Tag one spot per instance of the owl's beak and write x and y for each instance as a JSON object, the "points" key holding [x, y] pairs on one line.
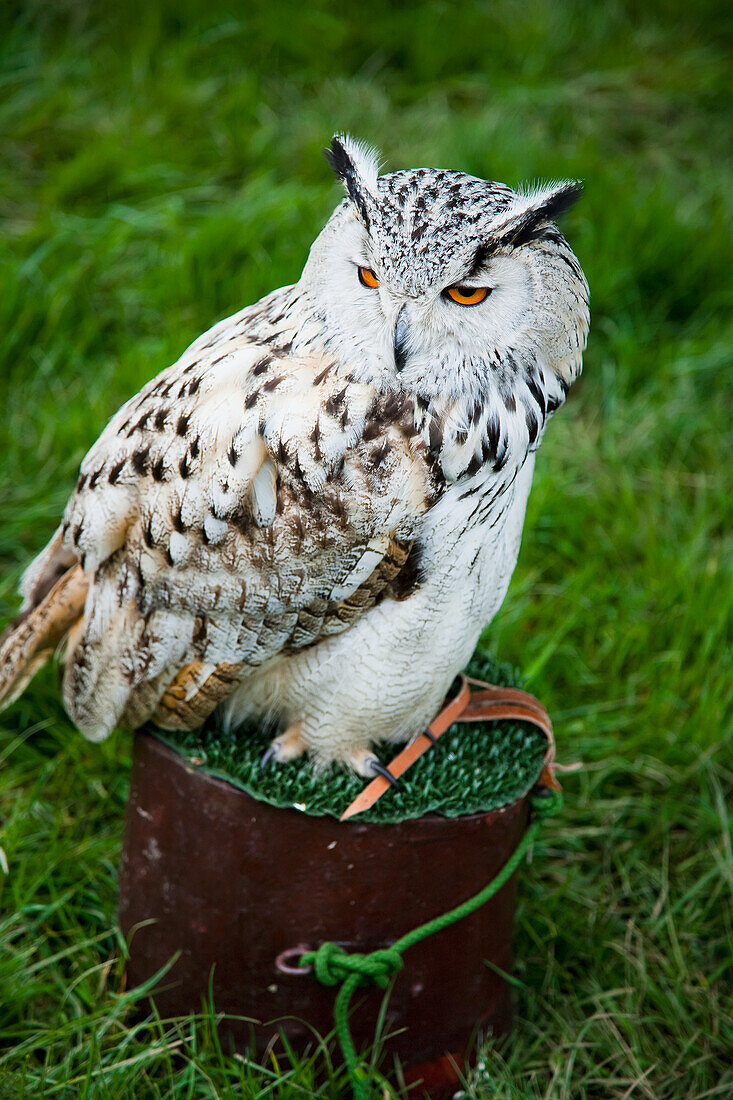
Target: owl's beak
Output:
{"points": [[401, 339]]}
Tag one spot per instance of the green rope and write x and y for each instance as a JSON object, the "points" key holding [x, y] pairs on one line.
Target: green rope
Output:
{"points": [[333, 965]]}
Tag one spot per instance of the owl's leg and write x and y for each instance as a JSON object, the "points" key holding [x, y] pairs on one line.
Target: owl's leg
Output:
{"points": [[365, 763], [288, 746]]}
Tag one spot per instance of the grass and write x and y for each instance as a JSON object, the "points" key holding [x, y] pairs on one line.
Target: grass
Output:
{"points": [[160, 168]]}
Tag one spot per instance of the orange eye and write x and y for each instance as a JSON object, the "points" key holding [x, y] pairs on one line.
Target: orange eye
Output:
{"points": [[468, 296], [367, 277]]}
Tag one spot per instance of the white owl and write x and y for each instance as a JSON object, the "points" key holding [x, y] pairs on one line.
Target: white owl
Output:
{"points": [[316, 510]]}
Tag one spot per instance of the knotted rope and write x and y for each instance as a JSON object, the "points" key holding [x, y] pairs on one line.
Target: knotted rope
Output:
{"points": [[333, 965]]}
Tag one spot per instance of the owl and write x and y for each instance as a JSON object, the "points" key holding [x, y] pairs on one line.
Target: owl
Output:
{"points": [[310, 517]]}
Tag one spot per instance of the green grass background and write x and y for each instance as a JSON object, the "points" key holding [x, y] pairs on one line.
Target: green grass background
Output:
{"points": [[160, 168]]}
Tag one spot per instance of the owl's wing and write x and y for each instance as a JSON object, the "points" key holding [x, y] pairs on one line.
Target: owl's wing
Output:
{"points": [[248, 502]]}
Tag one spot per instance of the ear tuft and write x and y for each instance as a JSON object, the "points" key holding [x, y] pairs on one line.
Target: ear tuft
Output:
{"points": [[349, 158], [524, 219], [556, 199], [357, 166]]}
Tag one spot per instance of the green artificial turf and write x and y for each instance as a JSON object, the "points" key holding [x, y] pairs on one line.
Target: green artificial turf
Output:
{"points": [[474, 766], [160, 167]]}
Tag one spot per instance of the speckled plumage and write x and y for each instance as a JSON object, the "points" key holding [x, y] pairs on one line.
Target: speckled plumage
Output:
{"points": [[315, 511]]}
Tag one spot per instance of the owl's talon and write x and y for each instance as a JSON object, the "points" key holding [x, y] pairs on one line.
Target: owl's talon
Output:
{"points": [[288, 746], [430, 735], [269, 754], [378, 768]]}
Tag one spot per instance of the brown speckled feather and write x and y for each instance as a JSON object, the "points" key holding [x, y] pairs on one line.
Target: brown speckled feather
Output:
{"points": [[31, 639], [248, 502]]}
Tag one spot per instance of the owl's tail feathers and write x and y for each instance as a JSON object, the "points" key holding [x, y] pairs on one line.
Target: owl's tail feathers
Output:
{"points": [[31, 639], [194, 694]]}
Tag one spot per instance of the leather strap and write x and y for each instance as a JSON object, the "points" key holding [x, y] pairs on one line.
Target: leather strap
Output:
{"points": [[489, 704]]}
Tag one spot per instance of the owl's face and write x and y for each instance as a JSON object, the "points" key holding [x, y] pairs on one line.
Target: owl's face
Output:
{"points": [[442, 283]]}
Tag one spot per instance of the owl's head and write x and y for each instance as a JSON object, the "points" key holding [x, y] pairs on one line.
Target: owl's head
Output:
{"points": [[438, 282]]}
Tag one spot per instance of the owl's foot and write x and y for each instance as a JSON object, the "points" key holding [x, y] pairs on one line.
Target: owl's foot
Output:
{"points": [[288, 746], [365, 763]]}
